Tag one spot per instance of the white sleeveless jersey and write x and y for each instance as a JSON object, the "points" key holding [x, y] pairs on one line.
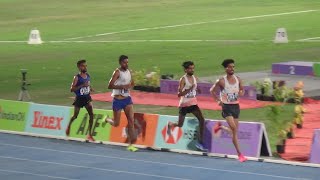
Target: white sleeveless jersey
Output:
{"points": [[124, 79], [230, 93], [190, 98]]}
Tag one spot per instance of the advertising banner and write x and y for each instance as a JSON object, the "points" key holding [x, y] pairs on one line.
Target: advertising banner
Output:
{"points": [[101, 130], [252, 138], [177, 138], [315, 149], [13, 115], [47, 119], [145, 126]]}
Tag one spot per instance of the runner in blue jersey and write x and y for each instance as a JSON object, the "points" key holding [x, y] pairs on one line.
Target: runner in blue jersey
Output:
{"points": [[81, 87]]}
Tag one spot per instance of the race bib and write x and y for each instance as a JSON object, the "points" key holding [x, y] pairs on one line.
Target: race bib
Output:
{"points": [[191, 94], [85, 90], [232, 97], [124, 91]]}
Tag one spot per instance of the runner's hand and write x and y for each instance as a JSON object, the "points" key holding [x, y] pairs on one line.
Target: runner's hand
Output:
{"points": [[241, 92]]}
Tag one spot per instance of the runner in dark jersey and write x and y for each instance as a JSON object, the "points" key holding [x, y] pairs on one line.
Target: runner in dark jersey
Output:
{"points": [[81, 87]]}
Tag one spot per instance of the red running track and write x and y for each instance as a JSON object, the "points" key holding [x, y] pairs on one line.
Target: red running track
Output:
{"points": [[160, 99]]}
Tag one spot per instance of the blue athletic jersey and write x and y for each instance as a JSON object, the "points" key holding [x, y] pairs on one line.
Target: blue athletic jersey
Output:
{"points": [[84, 91]]}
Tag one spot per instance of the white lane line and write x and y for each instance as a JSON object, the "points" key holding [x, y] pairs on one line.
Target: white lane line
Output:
{"points": [[308, 39], [153, 162], [160, 40], [13, 41], [191, 24], [151, 40], [34, 174], [165, 40], [94, 168]]}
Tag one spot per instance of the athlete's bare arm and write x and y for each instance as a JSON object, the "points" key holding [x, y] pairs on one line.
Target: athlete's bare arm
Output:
{"points": [[74, 86], [241, 89], [91, 89], [198, 89], [132, 81], [219, 84], [182, 84]]}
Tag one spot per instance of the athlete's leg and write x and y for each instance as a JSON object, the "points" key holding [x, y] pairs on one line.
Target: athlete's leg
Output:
{"points": [[180, 121], [231, 122], [75, 115], [128, 110], [117, 108], [89, 108], [131, 135], [198, 114], [242, 158], [116, 118], [182, 115]]}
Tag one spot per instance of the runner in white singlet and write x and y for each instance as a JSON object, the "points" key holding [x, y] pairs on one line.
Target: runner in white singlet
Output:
{"points": [[120, 83], [187, 92], [231, 88]]}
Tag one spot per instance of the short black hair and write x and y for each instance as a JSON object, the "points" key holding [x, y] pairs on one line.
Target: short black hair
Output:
{"points": [[81, 61], [122, 57], [226, 62], [186, 64]]}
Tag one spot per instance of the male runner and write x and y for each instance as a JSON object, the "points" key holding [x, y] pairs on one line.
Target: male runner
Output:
{"points": [[187, 92], [81, 87], [230, 89], [120, 83]]}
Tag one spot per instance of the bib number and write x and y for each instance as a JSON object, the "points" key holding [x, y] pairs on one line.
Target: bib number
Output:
{"points": [[124, 91], [85, 90], [191, 94], [232, 97]]}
